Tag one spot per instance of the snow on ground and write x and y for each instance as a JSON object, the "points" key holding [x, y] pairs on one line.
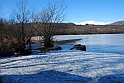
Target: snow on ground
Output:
{"points": [[63, 67]]}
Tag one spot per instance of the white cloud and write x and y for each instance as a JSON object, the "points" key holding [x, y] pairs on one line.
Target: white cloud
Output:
{"points": [[92, 22]]}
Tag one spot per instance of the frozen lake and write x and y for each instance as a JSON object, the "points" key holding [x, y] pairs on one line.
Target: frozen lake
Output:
{"points": [[101, 43]]}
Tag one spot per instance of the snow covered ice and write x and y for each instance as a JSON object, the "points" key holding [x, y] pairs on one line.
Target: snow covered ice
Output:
{"points": [[65, 66]]}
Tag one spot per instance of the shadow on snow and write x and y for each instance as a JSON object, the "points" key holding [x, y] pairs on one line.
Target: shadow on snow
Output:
{"points": [[49, 76], [52, 76]]}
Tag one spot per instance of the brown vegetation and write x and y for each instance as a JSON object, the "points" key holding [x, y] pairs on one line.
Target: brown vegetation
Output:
{"points": [[95, 29], [24, 23]]}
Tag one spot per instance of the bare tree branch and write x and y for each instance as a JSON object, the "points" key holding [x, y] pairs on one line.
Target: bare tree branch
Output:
{"points": [[21, 15], [50, 17]]}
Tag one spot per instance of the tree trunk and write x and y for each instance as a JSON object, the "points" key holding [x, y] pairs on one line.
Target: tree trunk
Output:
{"points": [[48, 43]]}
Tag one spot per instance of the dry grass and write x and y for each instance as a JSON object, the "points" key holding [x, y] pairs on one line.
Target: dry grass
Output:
{"points": [[95, 29], [36, 41]]}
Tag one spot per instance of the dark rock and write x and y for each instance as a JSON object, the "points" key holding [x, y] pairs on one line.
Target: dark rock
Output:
{"points": [[19, 52], [79, 47], [6, 53], [57, 48], [46, 49], [26, 52]]}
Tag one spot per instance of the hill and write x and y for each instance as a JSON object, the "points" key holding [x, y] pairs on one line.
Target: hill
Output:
{"points": [[118, 23], [93, 29]]}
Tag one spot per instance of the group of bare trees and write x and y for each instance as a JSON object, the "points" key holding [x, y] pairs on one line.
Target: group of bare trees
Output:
{"points": [[2, 24], [24, 22]]}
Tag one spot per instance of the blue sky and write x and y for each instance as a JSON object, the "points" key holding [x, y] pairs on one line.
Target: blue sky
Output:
{"points": [[79, 10]]}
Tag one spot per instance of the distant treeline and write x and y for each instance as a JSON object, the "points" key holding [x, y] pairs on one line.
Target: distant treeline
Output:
{"points": [[72, 29]]}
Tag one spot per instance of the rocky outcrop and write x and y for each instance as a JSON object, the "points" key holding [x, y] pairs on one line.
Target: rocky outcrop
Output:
{"points": [[49, 49], [79, 47]]}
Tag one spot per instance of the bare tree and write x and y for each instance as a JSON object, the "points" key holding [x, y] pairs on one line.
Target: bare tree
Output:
{"points": [[1, 28], [4, 42], [21, 18], [50, 17], [1, 23]]}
